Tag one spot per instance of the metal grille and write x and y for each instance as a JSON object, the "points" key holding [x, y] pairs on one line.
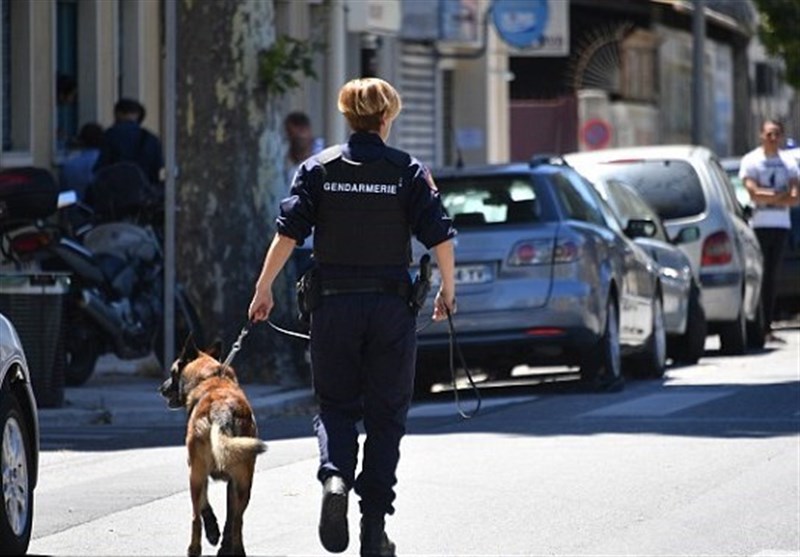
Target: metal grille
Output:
{"points": [[35, 306]]}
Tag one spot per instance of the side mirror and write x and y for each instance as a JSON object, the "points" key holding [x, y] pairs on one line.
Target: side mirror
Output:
{"points": [[640, 228], [686, 235]]}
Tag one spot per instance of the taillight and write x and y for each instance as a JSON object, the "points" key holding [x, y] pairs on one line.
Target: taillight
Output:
{"points": [[717, 249], [542, 252], [29, 242]]}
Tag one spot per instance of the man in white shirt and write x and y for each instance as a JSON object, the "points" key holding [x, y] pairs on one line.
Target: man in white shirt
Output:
{"points": [[773, 180]]}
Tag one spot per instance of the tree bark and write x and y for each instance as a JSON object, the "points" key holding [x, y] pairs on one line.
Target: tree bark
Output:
{"points": [[230, 154]]}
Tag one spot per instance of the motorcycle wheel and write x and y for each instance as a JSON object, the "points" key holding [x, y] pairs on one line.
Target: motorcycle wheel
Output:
{"points": [[82, 351], [186, 322]]}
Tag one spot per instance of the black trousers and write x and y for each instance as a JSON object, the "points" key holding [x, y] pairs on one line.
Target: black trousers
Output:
{"points": [[363, 352], [773, 244]]}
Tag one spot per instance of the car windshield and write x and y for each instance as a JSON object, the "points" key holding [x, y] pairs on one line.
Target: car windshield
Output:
{"points": [[671, 187], [489, 200]]}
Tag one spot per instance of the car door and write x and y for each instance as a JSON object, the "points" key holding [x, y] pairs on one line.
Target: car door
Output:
{"points": [[638, 273], [750, 249]]}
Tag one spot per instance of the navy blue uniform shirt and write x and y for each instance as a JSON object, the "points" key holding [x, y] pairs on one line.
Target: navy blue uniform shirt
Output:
{"points": [[428, 220], [128, 141]]}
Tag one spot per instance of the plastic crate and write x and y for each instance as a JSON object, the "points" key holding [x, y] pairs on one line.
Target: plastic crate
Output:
{"points": [[35, 305]]}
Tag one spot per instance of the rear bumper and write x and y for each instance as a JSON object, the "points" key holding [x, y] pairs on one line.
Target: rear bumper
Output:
{"points": [[722, 293]]}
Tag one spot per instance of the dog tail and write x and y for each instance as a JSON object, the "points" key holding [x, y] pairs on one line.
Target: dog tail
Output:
{"points": [[229, 450]]}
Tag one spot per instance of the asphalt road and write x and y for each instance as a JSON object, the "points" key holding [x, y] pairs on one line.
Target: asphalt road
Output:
{"points": [[703, 462]]}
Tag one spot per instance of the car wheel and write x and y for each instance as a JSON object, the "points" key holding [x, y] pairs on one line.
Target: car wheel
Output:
{"points": [[733, 335], [16, 461], [688, 348], [757, 329], [83, 349], [653, 361], [426, 375], [601, 369]]}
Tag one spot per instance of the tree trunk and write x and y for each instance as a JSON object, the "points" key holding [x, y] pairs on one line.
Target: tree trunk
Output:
{"points": [[230, 155]]}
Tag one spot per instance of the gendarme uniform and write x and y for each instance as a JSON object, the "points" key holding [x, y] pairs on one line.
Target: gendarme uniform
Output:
{"points": [[363, 200]]}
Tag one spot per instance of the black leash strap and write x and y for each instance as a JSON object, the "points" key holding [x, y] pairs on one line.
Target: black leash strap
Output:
{"points": [[454, 347]]}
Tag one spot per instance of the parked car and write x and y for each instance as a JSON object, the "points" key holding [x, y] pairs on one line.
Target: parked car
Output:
{"points": [[684, 317], [19, 443], [691, 192], [544, 275], [788, 285]]}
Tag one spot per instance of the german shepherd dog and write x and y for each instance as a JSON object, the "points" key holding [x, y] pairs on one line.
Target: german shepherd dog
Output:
{"points": [[221, 438]]}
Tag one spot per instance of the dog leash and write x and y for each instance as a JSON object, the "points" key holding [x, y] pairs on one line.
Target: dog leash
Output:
{"points": [[455, 347], [237, 345]]}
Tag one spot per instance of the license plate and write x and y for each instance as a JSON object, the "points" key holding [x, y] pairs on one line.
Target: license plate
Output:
{"points": [[466, 274]]}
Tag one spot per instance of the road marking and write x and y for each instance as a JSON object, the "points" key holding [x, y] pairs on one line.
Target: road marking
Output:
{"points": [[659, 404], [439, 409]]}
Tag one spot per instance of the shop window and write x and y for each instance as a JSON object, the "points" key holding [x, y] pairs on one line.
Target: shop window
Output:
{"points": [[16, 83], [67, 91]]}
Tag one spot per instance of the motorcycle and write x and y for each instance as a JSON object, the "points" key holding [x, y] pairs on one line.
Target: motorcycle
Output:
{"points": [[115, 259]]}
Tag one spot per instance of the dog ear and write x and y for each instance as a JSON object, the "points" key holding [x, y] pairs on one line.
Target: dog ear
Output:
{"points": [[215, 350], [189, 350]]}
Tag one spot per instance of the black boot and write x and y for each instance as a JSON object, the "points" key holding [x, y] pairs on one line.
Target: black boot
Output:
{"points": [[374, 541], [333, 531]]}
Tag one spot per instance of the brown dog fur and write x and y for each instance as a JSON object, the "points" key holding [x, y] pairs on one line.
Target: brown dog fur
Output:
{"points": [[222, 442]]}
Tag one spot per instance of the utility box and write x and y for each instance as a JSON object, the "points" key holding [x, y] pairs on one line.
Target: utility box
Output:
{"points": [[35, 304]]}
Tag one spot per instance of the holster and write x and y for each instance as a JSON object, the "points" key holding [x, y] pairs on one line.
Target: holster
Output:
{"points": [[421, 285], [309, 294]]}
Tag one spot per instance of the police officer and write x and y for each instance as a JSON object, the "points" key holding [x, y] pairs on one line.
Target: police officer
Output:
{"points": [[363, 201]]}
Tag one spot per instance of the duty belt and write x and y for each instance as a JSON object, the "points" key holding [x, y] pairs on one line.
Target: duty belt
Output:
{"points": [[364, 285]]}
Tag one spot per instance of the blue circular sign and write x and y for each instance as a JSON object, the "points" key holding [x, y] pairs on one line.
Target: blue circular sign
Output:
{"points": [[521, 23]]}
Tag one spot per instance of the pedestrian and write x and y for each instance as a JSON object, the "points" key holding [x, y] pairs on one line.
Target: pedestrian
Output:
{"points": [[363, 200], [301, 140], [77, 172], [127, 141], [772, 178]]}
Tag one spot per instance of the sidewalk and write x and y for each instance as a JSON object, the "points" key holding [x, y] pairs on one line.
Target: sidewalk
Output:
{"points": [[125, 393]]}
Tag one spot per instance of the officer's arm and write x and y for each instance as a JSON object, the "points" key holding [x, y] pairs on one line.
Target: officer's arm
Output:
{"points": [[278, 253], [446, 297]]}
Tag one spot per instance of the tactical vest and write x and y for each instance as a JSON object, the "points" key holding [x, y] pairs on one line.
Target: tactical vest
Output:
{"points": [[361, 210]]}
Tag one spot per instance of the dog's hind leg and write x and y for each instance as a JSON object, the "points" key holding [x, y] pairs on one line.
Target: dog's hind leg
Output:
{"points": [[237, 499], [210, 524], [197, 487]]}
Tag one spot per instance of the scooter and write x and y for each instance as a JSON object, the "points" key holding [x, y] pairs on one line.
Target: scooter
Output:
{"points": [[115, 299]]}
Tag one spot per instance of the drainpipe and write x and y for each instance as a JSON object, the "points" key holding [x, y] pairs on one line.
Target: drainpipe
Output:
{"points": [[698, 71], [336, 71], [168, 85]]}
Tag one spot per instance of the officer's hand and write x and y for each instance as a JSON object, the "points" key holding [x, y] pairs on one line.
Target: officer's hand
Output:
{"points": [[261, 305], [443, 303]]}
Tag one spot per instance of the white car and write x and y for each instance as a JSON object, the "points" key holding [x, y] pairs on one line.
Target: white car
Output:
{"points": [[19, 443], [690, 191]]}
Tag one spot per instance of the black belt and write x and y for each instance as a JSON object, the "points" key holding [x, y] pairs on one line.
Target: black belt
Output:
{"points": [[364, 285]]}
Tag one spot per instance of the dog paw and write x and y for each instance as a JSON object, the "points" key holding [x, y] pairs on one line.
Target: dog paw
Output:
{"points": [[194, 550], [210, 525]]}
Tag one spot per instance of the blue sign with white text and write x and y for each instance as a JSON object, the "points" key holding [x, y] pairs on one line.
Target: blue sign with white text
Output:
{"points": [[521, 23]]}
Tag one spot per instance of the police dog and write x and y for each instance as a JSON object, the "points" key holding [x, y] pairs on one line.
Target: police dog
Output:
{"points": [[222, 440]]}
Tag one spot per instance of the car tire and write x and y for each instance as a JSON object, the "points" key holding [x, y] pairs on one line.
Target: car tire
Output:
{"points": [[757, 329], [426, 375], [601, 369], [688, 348], [733, 335], [653, 361], [16, 468], [83, 349]]}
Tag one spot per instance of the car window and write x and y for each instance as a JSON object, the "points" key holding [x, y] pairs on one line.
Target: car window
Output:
{"points": [[578, 202], [671, 187], [631, 206], [489, 200], [727, 188]]}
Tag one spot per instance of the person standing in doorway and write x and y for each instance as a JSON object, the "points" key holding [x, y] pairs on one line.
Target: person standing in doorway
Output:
{"points": [[301, 140], [363, 200], [773, 181], [128, 141]]}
